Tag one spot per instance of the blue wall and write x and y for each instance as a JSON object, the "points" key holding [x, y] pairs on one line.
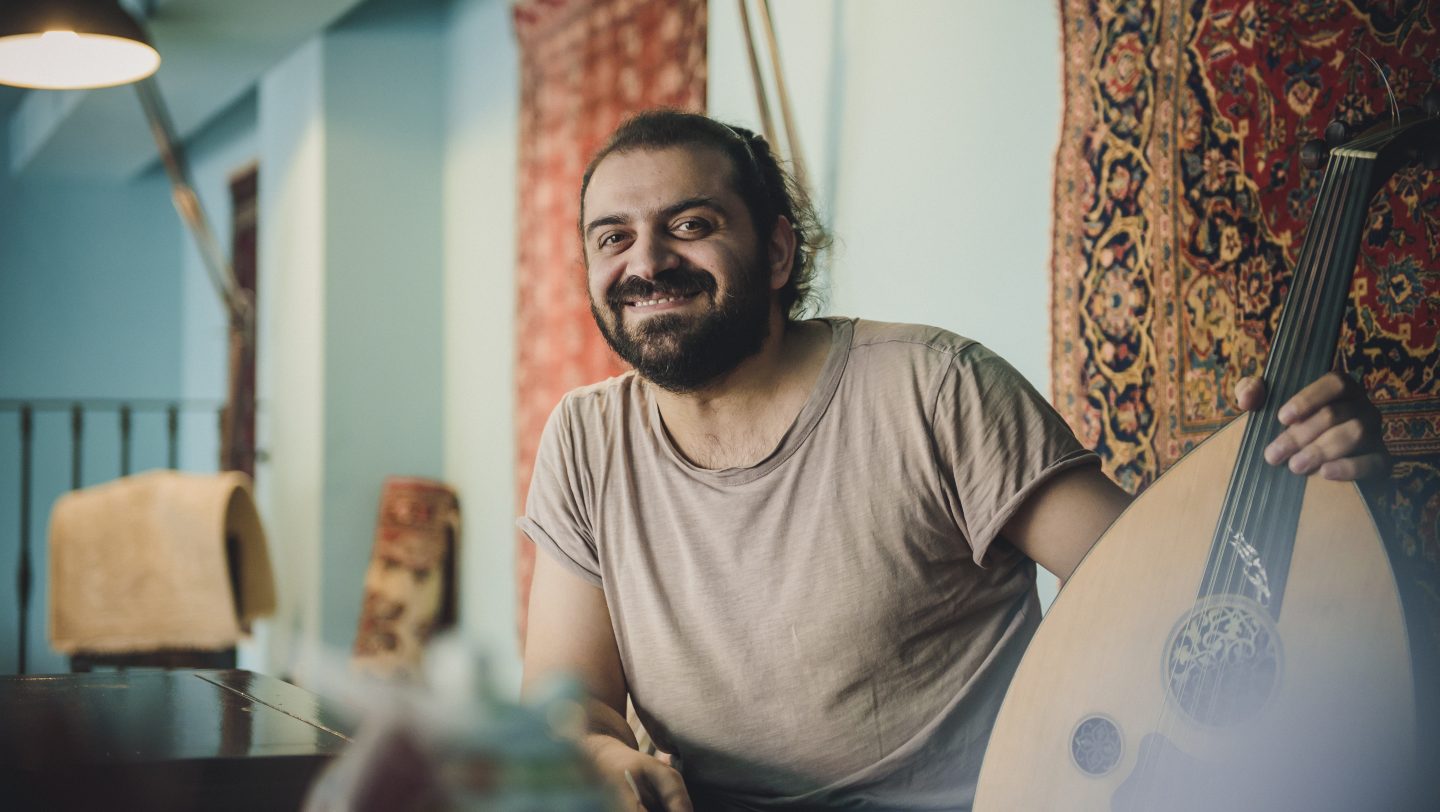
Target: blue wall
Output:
{"points": [[383, 341], [89, 307]]}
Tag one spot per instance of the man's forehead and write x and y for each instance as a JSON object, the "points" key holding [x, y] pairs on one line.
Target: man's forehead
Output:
{"points": [[655, 175]]}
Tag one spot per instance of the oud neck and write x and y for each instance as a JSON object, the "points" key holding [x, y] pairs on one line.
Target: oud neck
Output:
{"points": [[1254, 539], [1304, 344]]}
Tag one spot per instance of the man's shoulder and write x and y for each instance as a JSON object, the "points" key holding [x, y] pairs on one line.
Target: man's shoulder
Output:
{"points": [[920, 340], [599, 400]]}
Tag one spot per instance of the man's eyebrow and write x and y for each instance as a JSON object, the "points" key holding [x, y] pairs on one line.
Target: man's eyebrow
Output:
{"points": [[702, 201], [607, 220]]}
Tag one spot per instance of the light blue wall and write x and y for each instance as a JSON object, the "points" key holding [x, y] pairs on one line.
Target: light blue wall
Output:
{"points": [[89, 307], [383, 337], [89, 289], [101, 294]]}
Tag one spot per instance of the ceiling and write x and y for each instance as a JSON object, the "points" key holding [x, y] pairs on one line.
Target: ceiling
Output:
{"points": [[212, 52]]}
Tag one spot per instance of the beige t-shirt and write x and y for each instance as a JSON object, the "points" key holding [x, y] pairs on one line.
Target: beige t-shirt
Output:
{"points": [[816, 629]]}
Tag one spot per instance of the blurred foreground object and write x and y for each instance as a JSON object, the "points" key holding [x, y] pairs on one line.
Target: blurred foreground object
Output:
{"points": [[451, 743], [158, 561]]}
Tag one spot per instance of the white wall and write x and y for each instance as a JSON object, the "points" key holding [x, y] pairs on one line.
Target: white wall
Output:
{"points": [[481, 132], [289, 342], [350, 350], [319, 207], [929, 128], [383, 338]]}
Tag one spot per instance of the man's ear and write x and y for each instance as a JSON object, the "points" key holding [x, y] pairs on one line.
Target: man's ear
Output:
{"points": [[781, 252]]}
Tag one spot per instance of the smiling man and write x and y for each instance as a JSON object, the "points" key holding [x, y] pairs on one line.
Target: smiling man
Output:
{"points": [[680, 325], [805, 549]]}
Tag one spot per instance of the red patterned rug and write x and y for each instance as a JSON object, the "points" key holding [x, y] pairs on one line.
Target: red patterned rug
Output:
{"points": [[1180, 207], [585, 65]]}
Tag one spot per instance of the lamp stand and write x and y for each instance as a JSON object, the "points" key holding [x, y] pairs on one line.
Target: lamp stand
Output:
{"points": [[237, 452]]}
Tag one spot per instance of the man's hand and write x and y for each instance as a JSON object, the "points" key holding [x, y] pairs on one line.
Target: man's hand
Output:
{"points": [[1331, 429], [570, 632], [641, 782]]}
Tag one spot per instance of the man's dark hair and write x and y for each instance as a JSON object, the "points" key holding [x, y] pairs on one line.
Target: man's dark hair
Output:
{"points": [[762, 183]]}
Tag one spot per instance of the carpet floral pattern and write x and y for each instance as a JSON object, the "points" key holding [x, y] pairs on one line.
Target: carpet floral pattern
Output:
{"points": [[584, 66], [1180, 209]]}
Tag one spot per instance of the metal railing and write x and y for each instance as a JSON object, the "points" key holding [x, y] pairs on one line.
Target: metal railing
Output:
{"points": [[84, 412]]}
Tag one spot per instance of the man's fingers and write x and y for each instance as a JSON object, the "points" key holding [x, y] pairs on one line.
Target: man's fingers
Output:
{"points": [[629, 793], [663, 788], [1336, 443], [1331, 428], [1353, 469], [1250, 394], [1325, 389], [1293, 444]]}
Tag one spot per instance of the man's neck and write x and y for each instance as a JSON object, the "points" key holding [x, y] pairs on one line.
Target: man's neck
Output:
{"points": [[738, 420]]}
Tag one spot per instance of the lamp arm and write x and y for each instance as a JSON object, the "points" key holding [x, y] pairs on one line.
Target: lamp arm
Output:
{"points": [[237, 300], [237, 450]]}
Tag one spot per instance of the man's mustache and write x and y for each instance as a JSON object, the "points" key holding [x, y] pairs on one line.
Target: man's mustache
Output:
{"points": [[674, 282]]}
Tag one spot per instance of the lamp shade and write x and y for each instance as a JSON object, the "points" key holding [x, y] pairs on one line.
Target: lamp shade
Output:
{"points": [[72, 44]]}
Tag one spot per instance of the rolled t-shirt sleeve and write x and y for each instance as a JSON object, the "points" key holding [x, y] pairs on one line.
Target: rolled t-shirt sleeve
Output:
{"points": [[556, 517], [999, 440]]}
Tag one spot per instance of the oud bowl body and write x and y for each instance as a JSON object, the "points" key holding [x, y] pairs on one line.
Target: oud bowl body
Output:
{"points": [[1337, 728]]}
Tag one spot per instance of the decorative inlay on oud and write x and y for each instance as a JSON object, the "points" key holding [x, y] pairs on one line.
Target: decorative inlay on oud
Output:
{"points": [[1096, 745], [1223, 661]]}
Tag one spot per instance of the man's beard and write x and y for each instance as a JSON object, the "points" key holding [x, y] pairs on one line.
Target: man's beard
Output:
{"points": [[682, 352]]}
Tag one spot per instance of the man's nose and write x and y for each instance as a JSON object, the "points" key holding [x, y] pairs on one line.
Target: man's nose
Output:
{"points": [[651, 255]]}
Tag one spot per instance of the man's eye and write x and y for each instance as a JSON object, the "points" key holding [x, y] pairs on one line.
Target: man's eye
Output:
{"points": [[692, 227], [610, 239]]}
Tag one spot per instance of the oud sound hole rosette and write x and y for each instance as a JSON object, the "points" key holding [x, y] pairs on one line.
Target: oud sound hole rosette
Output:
{"points": [[1096, 745], [1223, 661]]}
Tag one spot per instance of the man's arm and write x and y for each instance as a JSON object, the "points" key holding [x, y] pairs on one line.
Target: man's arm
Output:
{"points": [[569, 632], [1059, 523]]}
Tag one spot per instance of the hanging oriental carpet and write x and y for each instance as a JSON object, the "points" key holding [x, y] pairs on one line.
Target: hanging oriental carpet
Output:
{"points": [[585, 65], [1180, 208]]}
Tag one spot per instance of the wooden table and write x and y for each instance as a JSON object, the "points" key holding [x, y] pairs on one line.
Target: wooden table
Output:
{"points": [[213, 740]]}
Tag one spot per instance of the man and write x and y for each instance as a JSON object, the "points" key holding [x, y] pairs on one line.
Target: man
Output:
{"points": [[804, 549]]}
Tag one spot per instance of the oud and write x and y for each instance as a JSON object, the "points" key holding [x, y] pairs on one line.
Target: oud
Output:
{"points": [[1235, 640]]}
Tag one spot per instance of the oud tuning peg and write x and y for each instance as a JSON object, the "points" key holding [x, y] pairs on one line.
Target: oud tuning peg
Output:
{"points": [[1337, 133], [1431, 103], [1313, 153]]}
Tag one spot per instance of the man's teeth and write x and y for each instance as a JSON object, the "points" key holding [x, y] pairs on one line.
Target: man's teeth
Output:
{"points": [[653, 302]]}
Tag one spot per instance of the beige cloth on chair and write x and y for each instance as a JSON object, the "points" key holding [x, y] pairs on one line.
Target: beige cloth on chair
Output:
{"points": [[139, 564]]}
